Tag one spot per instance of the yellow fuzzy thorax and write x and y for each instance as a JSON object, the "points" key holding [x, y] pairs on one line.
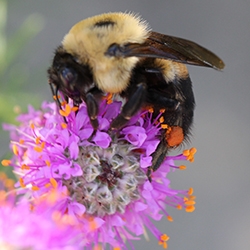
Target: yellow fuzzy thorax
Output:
{"points": [[88, 42]]}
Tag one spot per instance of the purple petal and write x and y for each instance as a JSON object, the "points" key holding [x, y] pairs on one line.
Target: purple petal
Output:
{"points": [[145, 161], [135, 135], [74, 149], [102, 139]]}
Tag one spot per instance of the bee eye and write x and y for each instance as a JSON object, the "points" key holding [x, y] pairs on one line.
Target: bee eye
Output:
{"points": [[68, 76]]}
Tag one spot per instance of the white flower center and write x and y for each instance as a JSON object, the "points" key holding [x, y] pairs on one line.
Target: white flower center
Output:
{"points": [[111, 179]]}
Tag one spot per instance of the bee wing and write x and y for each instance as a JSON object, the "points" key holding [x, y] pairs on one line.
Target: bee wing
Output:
{"points": [[177, 49]]}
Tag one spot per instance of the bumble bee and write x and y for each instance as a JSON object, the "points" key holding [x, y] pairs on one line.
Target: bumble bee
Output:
{"points": [[117, 53]]}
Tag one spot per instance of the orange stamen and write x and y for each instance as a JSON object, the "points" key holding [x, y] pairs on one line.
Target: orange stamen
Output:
{"points": [[161, 120], [35, 188], [109, 101], [47, 163], [32, 126], [182, 167], [56, 97], [38, 140], [38, 149], [53, 182], [190, 154], [193, 150], [25, 167], [179, 207], [192, 197], [22, 184], [190, 202], [66, 111], [47, 185], [190, 209], [15, 149], [6, 163], [74, 109], [109, 98], [63, 103], [150, 110], [164, 126], [43, 144], [190, 191], [64, 125], [116, 248], [163, 241], [170, 218]]}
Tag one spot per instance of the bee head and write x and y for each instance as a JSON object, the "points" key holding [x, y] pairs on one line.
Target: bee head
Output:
{"points": [[68, 76]]}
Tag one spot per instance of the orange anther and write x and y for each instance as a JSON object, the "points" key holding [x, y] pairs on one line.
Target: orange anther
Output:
{"points": [[32, 126], [182, 167], [66, 111], [25, 167], [53, 182], [38, 149], [190, 191], [150, 110], [164, 126], [179, 207], [64, 125], [75, 108], [22, 184], [47, 163], [38, 140], [170, 218], [189, 202], [15, 149], [47, 185], [161, 120], [6, 163], [35, 188], [163, 241], [190, 209]]}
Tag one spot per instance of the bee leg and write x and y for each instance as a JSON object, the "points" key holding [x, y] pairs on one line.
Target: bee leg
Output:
{"points": [[131, 107], [157, 158], [159, 155], [92, 109], [149, 172]]}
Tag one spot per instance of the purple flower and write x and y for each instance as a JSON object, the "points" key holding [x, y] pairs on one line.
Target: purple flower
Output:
{"points": [[36, 224], [103, 181]]}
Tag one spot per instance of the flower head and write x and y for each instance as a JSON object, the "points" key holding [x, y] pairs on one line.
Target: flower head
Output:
{"points": [[103, 181]]}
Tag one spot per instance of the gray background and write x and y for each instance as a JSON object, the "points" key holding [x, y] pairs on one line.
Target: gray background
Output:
{"points": [[220, 174]]}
